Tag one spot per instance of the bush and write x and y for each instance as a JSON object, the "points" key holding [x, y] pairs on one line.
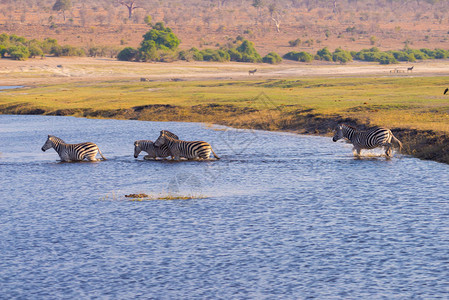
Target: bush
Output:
{"points": [[294, 43], [272, 58], [67, 51], [341, 56], [249, 53], [19, 52], [386, 58], [163, 37], [215, 55], [35, 51], [299, 56], [128, 54], [235, 55], [189, 55], [324, 54]]}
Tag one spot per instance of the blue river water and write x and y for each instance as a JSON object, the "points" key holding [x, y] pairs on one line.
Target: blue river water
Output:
{"points": [[280, 216]]}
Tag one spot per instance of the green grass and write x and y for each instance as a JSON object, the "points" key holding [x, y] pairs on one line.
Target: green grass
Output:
{"points": [[411, 102]]}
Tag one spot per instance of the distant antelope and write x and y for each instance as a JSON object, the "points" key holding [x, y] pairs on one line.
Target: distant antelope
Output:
{"points": [[410, 68], [252, 71]]}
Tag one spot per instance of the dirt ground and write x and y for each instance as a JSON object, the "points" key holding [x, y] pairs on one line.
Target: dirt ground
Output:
{"points": [[60, 70]]}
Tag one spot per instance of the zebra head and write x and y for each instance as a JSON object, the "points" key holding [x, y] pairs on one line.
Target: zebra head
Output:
{"points": [[338, 133], [50, 143], [170, 134], [161, 139], [137, 149]]}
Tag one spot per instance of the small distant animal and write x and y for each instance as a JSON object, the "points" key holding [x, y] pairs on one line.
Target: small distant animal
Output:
{"points": [[189, 150], [367, 139], [152, 150], [72, 152], [252, 71], [410, 69], [445, 91]]}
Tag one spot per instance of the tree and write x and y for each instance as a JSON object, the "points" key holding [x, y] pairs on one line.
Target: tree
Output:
{"points": [[62, 5], [158, 41], [130, 5], [275, 15], [258, 4]]}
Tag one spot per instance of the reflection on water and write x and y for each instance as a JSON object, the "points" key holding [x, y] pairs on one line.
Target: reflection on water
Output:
{"points": [[280, 216]]}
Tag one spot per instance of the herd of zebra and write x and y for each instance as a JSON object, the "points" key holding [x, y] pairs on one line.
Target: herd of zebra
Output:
{"points": [[168, 144]]}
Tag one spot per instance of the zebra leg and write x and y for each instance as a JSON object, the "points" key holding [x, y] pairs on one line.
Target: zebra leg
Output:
{"points": [[388, 149], [91, 157], [356, 151]]}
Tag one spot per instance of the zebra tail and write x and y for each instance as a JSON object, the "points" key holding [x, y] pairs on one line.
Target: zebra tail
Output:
{"points": [[101, 154], [215, 155], [396, 140]]}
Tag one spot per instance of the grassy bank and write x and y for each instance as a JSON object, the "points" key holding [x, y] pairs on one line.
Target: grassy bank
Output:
{"points": [[414, 107]]}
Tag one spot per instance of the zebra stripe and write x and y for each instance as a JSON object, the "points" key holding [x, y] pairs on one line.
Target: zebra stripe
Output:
{"points": [[149, 147], [189, 150], [368, 139], [72, 152]]}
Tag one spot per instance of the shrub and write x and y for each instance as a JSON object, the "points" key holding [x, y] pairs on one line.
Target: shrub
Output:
{"points": [[249, 53], [215, 55], [163, 37], [386, 58], [299, 56], [272, 58], [128, 54], [67, 51], [191, 54], [341, 56], [324, 54], [19, 52], [294, 43], [35, 51]]}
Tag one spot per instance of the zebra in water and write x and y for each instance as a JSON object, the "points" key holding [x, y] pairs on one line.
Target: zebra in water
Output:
{"points": [[149, 147], [368, 139], [189, 150], [72, 152], [152, 150]]}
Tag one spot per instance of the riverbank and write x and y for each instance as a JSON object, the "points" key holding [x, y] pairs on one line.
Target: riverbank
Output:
{"points": [[307, 99]]}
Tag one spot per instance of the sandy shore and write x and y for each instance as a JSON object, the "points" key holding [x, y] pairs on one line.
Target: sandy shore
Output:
{"points": [[59, 70]]}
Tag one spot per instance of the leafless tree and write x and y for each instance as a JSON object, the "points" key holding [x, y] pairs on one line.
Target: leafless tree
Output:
{"points": [[275, 16], [131, 5]]}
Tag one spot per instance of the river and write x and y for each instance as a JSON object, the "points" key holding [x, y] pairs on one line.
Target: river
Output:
{"points": [[280, 216]]}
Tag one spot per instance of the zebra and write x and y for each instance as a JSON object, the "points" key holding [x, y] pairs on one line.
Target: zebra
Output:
{"points": [[369, 139], [153, 151], [189, 150], [252, 72], [72, 152], [149, 147]]}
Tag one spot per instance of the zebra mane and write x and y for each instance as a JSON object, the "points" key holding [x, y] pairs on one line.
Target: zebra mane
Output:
{"points": [[352, 127], [169, 134], [55, 138]]}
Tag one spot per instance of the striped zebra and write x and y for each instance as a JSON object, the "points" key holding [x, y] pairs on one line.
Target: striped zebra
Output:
{"points": [[153, 151], [368, 139], [189, 150], [149, 147], [72, 152]]}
